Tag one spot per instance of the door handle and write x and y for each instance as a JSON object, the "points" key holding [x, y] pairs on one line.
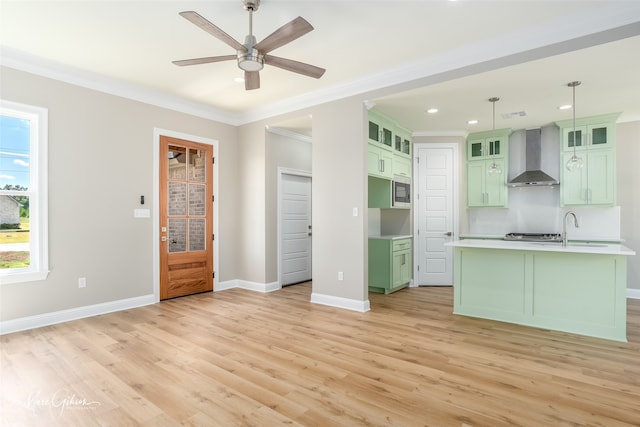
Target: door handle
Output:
{"points": [[309, 234], [448, 233]]}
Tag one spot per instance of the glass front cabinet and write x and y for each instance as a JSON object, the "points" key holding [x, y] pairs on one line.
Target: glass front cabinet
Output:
{"points": [[595, 182], [486, 185]]}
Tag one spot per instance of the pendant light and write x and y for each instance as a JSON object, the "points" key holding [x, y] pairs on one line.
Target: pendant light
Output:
{"points": [[574, 162], [494, 168]]}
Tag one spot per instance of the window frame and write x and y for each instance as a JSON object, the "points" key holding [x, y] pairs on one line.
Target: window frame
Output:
{"points": [[37, 192]]}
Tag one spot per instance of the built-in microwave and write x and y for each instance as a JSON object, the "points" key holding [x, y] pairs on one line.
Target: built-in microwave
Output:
{"points": [[401, 196]]}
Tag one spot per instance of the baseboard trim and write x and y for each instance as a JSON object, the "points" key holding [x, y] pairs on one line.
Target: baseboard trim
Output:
{"points": [[339, 302], [633, 293], [250, 286], [40, 320]]}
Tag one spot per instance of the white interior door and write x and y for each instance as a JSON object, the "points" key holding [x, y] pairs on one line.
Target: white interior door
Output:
{"points": [[435, 215], [295, 229]]}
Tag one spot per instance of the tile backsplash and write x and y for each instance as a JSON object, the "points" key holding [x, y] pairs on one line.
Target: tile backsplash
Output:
{"points": [[537, 210]]}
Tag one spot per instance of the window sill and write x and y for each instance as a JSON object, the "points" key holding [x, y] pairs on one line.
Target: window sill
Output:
{"points": [[21, 277]]}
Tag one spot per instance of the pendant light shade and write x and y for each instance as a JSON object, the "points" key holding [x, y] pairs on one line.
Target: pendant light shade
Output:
{"points": [[494, 168], [575, 162]]}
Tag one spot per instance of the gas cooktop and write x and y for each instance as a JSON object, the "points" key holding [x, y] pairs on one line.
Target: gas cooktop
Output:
{"points": [[534, 237]]}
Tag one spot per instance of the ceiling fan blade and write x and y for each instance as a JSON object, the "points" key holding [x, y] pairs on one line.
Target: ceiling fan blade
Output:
{"points": [[207, 26], [251, 80], [295, 66], [208, 59], [285, 34]]}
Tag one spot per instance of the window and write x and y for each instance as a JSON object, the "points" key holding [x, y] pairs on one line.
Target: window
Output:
{"points": [[23, 193]]}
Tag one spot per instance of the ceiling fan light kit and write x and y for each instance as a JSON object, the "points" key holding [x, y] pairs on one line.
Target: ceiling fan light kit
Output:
{"points": [[252, 56]]}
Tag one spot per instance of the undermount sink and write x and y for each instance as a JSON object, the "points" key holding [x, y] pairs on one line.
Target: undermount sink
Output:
{"points": [[590, 245]]}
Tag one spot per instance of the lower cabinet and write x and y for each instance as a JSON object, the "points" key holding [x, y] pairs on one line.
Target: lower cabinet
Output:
{"points": [[390, 265], [581, 293]]}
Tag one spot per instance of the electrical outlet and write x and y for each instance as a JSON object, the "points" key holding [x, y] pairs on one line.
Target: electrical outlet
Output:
{"points": [[340, 275], [82, 282]]}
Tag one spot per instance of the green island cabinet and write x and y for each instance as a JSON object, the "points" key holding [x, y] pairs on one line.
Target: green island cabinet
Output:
{"points": [[595, 142], [582, 293], [484, 188], [389, 264]]}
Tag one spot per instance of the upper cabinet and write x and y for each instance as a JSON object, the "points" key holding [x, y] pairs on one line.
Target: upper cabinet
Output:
{"points": [[487, 145], [595, 140], [380, 130], [486, 185], [389, 147], [590, 132]]}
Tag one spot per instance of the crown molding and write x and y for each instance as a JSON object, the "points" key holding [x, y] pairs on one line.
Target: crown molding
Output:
{"points": [[33, 64], [289, 134]]}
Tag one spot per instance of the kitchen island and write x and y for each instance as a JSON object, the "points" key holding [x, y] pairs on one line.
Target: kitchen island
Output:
{"points": [[580, 288]]}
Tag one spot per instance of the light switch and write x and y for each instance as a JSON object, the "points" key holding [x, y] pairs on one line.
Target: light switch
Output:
{"points": [[141, 213], [355, 211]]}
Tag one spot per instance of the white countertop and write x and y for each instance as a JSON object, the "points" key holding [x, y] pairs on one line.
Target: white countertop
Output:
{"points": [[391, 236], [577, 247]]}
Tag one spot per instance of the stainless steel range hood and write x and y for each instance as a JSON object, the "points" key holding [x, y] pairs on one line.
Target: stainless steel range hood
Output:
{"points": [[533, 175]]}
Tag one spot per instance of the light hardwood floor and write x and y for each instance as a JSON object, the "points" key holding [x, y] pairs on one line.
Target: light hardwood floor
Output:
{"points": [[240, 358]]}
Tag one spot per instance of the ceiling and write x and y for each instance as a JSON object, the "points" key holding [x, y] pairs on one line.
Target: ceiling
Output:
{"points": [[407, 55]]}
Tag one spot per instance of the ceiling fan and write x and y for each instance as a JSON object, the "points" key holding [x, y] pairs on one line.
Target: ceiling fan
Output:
{"points": [[252, 56]]}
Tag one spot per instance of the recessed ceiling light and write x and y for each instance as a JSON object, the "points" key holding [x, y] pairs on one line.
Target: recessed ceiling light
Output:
{"points": [[565, 107], [239, 79], [472, 122], [432, 110]]}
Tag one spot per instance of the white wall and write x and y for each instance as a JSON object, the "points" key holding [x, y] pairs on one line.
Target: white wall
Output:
{"points": [[340, 185], [282, 152], [100, 162], [628, 179]]}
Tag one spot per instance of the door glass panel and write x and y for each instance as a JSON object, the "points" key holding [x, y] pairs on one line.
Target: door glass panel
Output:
{"points": [[177, 234], [197, 194], [406, 146], [578, 138], [374, 131], [177, 198], [177, 162], [186, 199], [386, 137], [599, 136], [196, 165], [476, 149], [197, 230], [494, 148]]}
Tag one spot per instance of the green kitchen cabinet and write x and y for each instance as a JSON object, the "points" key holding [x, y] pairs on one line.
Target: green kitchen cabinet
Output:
{"points": [[595, 141], [595, 132], [484, 188], [402, 141], [581, 293], [401, 165], [488, 145], [592, 184], [386, 134], [380, 161], [390, 264], [380, 130]]}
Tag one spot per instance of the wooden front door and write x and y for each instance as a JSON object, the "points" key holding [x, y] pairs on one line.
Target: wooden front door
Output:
{"points": [[186, 217]]}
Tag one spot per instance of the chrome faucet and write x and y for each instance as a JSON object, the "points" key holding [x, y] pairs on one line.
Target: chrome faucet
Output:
{"points": [[564, 226]]}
